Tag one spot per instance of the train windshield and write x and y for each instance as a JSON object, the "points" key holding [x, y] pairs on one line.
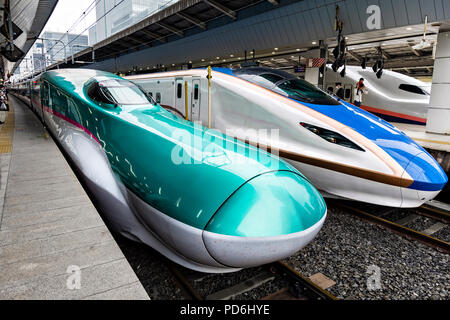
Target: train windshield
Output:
{"points": [[123, 92], [304, 91], [285, 84]]}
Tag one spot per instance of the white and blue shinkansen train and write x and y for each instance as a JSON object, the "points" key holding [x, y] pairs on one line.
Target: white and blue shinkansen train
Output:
{"points": [[394, 97], [345, 151]]}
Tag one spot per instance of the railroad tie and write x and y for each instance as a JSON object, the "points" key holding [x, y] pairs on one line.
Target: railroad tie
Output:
{"points": [[434, 228], [242, 287]]}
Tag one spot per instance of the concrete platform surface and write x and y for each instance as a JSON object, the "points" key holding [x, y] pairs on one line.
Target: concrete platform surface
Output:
{"points": [[433, 141], [53, 243]]}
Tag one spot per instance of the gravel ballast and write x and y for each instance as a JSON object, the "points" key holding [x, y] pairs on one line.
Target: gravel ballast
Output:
{"points": [[150, 269], [349, 250]]}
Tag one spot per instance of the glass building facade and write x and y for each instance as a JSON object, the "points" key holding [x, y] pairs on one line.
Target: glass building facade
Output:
{"points": [[113, 16], [55, 49]]}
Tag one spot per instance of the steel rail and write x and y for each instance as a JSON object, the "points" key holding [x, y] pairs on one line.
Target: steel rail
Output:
{"points": [[301, 286], [434, 213], [183, 283], [313, 291], [398, 228]]}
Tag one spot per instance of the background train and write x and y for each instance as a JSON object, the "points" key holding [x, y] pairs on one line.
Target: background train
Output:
{"points": [[202, 199], [345, 151], [394, 97]]}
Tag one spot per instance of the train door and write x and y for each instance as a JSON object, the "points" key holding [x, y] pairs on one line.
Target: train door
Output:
{"points": [[45, 98], [179, 96], [348, 91], [195, 100], [330, 88], [36, 97]]}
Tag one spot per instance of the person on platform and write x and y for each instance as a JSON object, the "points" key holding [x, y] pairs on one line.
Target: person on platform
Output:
{"points": [[340, 91], [360, 90]]}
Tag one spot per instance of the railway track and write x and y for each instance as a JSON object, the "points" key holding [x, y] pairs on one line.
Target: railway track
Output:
{"points": [[290, 284], [402, 221]]}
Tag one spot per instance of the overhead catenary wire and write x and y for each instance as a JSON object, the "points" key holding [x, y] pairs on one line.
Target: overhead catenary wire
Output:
{"points": [[106, 13], [91, 25], [150, 13], [79, 19]]}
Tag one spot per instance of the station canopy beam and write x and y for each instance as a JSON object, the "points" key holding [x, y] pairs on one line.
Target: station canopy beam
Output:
{"points": [[231, 13], [386, 55], [355, 56], [136, 40], [171, 29], [274, 2], [417, 53], [132, 40], [153, 35], [192, 20], [122, 43]]}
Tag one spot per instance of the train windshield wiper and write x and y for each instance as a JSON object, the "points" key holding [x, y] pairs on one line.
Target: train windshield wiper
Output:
{"points": [[108, 96]]}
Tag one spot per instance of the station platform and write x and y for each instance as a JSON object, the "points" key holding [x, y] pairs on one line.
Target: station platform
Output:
{"points": [[53, 242], [432, 141]]}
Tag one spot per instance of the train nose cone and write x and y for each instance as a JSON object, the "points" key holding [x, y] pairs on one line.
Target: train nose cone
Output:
{"points": [[269, 218], [426, 172], [429, 180]]}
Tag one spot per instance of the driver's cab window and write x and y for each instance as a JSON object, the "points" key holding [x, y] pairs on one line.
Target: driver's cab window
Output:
{"points": [[95, 93], [117, 92], [266, 80]]}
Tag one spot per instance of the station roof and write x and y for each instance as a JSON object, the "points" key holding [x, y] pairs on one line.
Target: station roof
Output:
{"points": [[184, 18], [212, 32], [30, 18], [397, 51]]}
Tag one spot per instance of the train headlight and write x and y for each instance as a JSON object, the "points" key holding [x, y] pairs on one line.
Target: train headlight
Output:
{"points": [[331, 136]]}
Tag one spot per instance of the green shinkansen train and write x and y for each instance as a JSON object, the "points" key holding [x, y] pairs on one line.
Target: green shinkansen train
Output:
{"points": [[203, 199]]}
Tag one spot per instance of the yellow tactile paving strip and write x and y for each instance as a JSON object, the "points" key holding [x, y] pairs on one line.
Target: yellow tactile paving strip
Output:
{"points": [[432, 141], [7, 131]]}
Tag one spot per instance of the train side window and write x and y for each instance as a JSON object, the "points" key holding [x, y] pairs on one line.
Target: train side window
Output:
{"points": [[196, 92], [59, 101], [348, 92], [73, 111], [158, 97], [179, 90], [45, 93], [412, 89]]}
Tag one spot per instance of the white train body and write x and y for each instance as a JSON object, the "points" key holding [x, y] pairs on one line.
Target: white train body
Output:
{"points": [[381, 165], [395, 97]]}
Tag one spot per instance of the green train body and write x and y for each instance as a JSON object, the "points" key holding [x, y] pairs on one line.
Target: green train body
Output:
{"points": [[203, 199]]}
